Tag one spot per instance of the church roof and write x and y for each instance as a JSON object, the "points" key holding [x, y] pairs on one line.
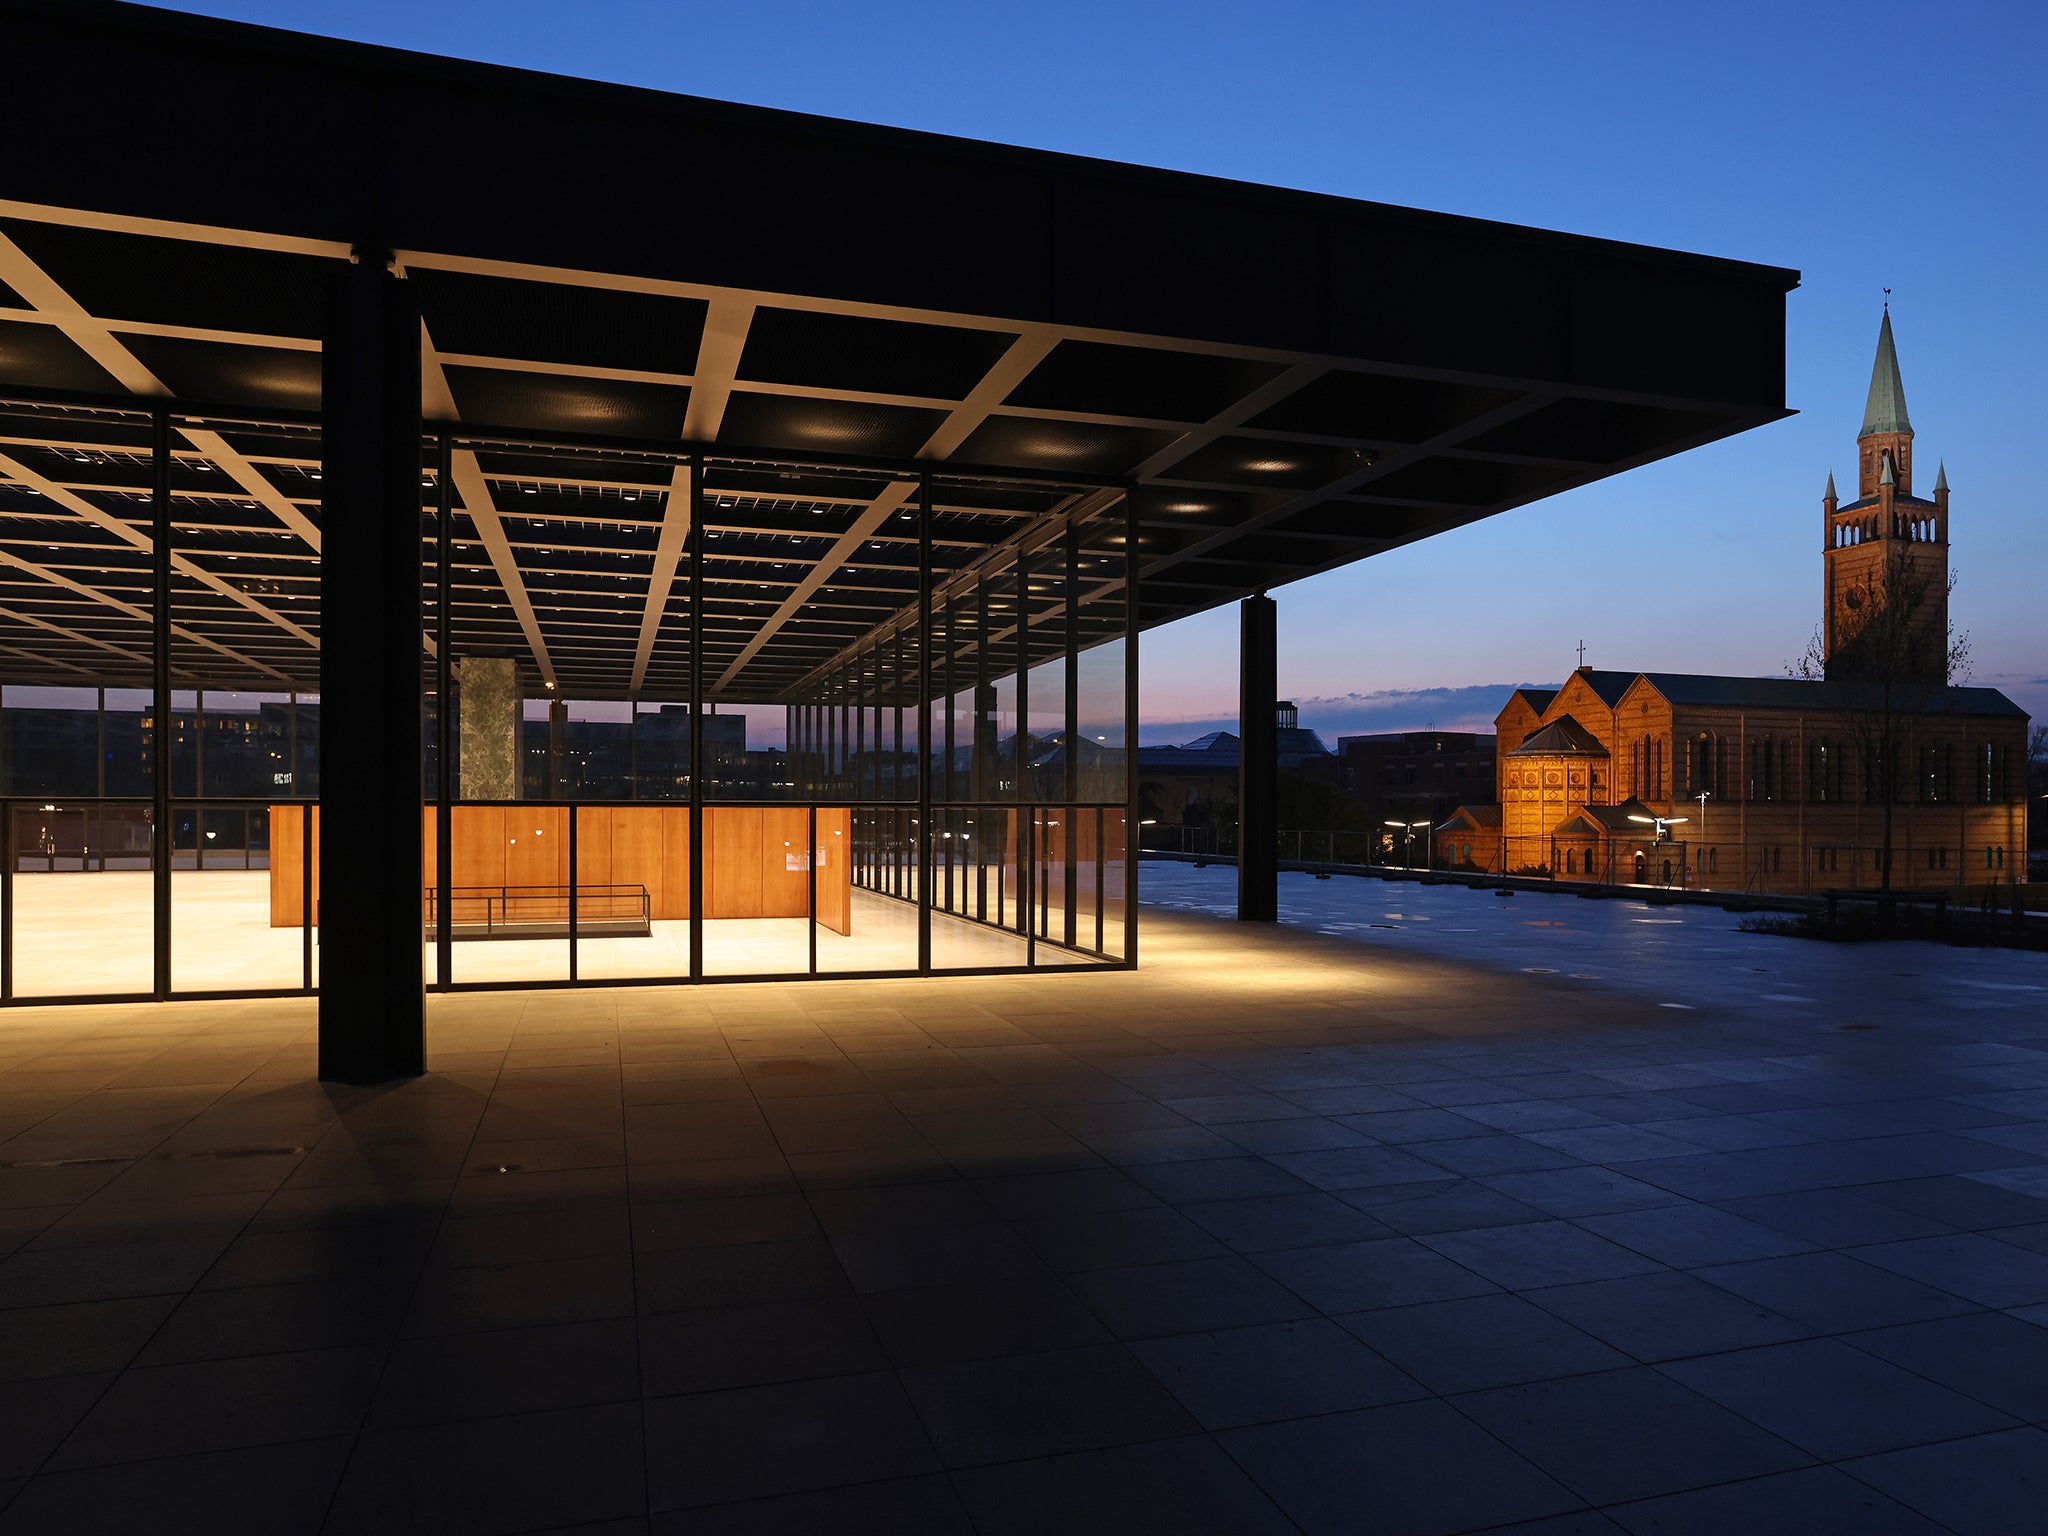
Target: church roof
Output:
{"points": [[1537, 699], [1479, 817], [1799, 693], [1610, 686], [1871, 501], [1885, 411], [1615, 818], [1564, 736]]}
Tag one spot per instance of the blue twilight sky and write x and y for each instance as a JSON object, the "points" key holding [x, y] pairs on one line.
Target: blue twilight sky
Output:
{"points": [[1869, 145]]}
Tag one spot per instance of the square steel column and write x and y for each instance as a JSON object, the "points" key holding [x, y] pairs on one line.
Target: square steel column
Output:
{"points": [[1258, 779], [372, 1003]]}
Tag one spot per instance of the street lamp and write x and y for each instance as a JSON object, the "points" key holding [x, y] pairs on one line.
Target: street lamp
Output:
{"points": [[1408, 838], [1662, 824]]}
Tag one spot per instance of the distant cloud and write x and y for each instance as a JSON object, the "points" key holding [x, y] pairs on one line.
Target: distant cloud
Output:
{"points": [[1467, 709], [2029, 692], [1389, 709]]}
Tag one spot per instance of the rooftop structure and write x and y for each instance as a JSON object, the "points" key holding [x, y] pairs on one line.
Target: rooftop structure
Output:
{"points": [[438, 385]]}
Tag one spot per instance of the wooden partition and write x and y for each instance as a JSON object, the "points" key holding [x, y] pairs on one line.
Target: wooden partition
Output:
{"points": [[287, 863], [757, 858]]}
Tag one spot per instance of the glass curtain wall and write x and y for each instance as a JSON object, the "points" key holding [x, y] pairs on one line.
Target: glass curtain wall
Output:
{"points": [[159, 705], [687, 717], [242, 732]]}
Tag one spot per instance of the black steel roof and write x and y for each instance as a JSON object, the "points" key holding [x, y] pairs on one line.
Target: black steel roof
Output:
{"points": [[1291, 381]]}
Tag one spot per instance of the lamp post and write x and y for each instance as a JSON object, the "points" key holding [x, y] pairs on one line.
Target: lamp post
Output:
{"points": [[1662, 825], [1407, 829]]}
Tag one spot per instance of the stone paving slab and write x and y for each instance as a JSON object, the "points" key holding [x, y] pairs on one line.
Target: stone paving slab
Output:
{"points": [[1467, 1214]]}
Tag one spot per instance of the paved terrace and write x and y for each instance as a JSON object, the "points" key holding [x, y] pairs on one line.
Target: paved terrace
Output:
{"points": [[1345, 1232]]}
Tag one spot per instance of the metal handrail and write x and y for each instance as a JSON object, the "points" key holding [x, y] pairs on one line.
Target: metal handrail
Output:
{"points": [[498, 902]]}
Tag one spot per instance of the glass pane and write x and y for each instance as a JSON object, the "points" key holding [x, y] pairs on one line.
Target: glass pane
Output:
{"points": [[632, 892], [756, 890], [509, 898], [83, 899], [876, 927], [244, 720], [976, 920]]}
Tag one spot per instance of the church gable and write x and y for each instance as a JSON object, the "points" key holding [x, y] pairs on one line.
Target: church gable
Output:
{"points": [[1519, 716], [1589, 697]]}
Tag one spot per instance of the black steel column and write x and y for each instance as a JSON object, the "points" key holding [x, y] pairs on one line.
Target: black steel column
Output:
{"points": [[1133, 828], [372, 1004], [160, 687], [1027, 813], [982, 773], [1070, 822], [1258, 783], [7, 901], [694, 552], [445, 746], [926, 843]]}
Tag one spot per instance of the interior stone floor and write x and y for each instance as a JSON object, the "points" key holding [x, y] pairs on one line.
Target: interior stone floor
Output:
{"points": [[88, 933], [1286, 1230]]}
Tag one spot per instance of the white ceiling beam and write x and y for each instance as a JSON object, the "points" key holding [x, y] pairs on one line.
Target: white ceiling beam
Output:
{"points": [[95, 338], [848, 544], [75, 636], [475, 493], [726, 324], [256, 483], [16, 471], [668, 553], [140, 615], [437, 403], [1007, 372]]}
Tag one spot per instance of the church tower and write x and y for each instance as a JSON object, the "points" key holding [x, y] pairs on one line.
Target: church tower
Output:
{"points": [[1885, 560]]}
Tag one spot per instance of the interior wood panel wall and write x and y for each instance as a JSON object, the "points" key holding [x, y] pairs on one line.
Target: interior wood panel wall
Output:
{"points": [[755, 864], [675, 861], [287, 864], [835, 870], [785, 862]]}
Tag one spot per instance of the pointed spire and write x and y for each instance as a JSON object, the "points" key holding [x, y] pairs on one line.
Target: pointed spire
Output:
{"points": [[1830, 496], [1941, 476], [1887, 477], [1885, 411]]}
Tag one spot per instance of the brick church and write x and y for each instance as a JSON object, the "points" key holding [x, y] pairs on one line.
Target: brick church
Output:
{"points": [[1781, 784]]}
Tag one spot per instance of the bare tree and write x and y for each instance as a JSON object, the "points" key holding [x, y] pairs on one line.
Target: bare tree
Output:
{"points": [[1889, 666]]}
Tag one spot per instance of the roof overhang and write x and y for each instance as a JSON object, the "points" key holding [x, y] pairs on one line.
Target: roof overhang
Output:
{"points": [[1288, 381]]}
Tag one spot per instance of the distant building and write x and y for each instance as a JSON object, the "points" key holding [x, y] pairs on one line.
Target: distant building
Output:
{"points": [[1411, 776], [1780, 784], [1184, 785]]}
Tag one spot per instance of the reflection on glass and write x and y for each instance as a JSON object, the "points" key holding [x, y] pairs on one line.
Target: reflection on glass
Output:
{"points": [[632, 892], [757, 884], [509, 892], [859, 879], [84, 903]]}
